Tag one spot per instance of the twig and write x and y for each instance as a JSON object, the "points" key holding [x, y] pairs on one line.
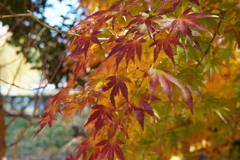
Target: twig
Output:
{"points": [[30, 14], [14, 117], [13, 84], [5, 64], [210, 44]]}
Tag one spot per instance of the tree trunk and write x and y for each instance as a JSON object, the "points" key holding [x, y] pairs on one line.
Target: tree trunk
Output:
{"points": [[2, 132]]}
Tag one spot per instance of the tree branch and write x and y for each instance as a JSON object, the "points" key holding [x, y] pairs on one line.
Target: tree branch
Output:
{"points": [[210, 44], [30, 14]]}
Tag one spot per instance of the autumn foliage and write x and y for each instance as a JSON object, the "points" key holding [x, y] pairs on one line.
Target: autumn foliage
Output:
{"points": [[149, 71]]}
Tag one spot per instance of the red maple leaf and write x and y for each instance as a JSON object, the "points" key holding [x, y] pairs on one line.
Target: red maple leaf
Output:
{"points": [[111, 146], [83, 42], [142, 23], [164, 78], [101, 114], [140, 105], [186, 20], [59, 98], [194, 42], [165, 44], [52, 106], [81, 65], [117, 83], [187, 97], [128, 48], [48, 117], [84, 26], [89, 98], [82, 149], [118, 8]]}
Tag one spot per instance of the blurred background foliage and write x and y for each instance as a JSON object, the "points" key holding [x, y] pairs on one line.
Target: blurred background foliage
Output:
{"points": [[43, 48]]}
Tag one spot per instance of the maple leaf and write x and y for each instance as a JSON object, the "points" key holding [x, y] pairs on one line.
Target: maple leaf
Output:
{"points": [[174, 3], [52, 106], [70, 109], [141, 20], [128, 48], [194, 42], [165, 44], [187, 97], [236, 29], [164, 78], [186, 20], [82, 148], [59, 98], [117, 83], [84, 26], [118, 8], [81, 65], [112, 130], [212, 66], [89, 98], [101, 114], [141, 104], [47, 118], [83, 42], [111, 146]]}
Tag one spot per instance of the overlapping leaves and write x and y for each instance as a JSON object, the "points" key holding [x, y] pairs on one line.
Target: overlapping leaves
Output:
{"points": [[143, 23], [186, 20], [83, 43], [128, 48], [118, 8], [113, 115], [165, 44], [52, 109], [110, 146], [236, 30], [161, 76], [118, 84], [101, 114], [140, 105]]}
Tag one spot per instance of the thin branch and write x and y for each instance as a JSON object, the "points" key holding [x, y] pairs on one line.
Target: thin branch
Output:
{"points": [[3, 5], [210, 44], [15, 116], [21, 133], [30, 14], [12, 84], [14, 78], [10, 62]]}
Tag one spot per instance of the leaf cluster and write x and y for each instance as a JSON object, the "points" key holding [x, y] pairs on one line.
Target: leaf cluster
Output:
{"points": [[144, 62]]}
